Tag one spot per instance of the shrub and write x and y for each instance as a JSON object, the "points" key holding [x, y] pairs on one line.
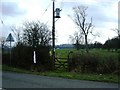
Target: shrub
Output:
{"points": [[6, 58], [108, 64], [85, 62], [22, 56], [43, 58], [94, 63]]}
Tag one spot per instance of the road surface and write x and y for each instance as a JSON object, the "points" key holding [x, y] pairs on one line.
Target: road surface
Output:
{"points": [[18, 80]]}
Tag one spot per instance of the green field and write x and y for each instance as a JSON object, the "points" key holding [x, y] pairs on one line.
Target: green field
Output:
{"points": [[64, 52]]}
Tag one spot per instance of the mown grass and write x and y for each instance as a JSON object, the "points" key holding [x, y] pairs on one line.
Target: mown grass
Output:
{"points": [[69, 75]]}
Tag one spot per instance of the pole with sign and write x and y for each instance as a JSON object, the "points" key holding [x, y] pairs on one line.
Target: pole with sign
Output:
{"points": [[10, 39], [53, 32]]}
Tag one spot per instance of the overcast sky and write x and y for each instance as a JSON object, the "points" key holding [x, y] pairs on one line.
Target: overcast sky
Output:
{"points": [[103, 12]]}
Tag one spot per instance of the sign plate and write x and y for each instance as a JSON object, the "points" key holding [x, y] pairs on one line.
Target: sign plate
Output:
{"points": [[10, 38]]}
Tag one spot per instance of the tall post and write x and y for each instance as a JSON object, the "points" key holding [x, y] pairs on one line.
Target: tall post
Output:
{"points": [[10, 53], [10, 39], [53, 37]]}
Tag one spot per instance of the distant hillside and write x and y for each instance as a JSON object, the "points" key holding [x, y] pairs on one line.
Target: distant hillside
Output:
{"points": [[62, 46]]}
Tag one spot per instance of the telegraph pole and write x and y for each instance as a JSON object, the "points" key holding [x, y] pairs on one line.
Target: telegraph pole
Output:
{"points": [[53, 37], [53, 32]]}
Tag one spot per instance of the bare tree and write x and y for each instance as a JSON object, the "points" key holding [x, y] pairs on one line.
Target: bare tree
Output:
{"points": [[18, 33], [36, 33], [77, 39], [117, 31], [80, 19], [3, 43]]}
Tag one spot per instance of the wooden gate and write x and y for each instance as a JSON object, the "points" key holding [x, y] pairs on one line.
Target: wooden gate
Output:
{"points": [[61, 63]]}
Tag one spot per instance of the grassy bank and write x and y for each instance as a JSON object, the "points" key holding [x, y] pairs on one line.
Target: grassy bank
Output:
{"points": [[70, 75]]}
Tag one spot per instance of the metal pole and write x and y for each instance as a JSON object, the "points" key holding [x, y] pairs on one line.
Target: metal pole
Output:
{"points": [[10, 53], [53, 37]]}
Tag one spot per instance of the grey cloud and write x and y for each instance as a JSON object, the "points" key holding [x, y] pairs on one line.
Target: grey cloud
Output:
{"points": [[11, 9], [98, 12], [100, 15]]}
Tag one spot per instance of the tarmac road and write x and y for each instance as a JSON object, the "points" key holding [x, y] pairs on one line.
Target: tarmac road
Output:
{"points": [[18, 80]]}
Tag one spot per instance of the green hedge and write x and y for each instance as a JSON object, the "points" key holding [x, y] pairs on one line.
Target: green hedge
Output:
{"points": [[22, 57], [94, 63]]}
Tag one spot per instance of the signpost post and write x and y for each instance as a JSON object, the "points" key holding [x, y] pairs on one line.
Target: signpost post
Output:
{"points": [[10, 39]]}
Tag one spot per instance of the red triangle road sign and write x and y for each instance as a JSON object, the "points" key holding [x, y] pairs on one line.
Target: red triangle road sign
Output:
{"points": [[10, 38]]}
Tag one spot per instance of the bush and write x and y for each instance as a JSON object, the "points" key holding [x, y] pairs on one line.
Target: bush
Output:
{"points": [[108, 64], [84, 62], [93, 63], [6, 58], [43, 58], [22, 57]]}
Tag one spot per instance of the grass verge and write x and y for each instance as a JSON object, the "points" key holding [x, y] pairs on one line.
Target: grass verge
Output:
{"points": [[69, 75]]}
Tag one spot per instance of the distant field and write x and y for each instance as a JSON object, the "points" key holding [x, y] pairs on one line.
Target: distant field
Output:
{"points": [[102, 52], [63, 53]]}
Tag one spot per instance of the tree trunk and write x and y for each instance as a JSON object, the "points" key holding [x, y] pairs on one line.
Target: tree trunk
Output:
{"points": [[86, 44], [77, 44]]}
